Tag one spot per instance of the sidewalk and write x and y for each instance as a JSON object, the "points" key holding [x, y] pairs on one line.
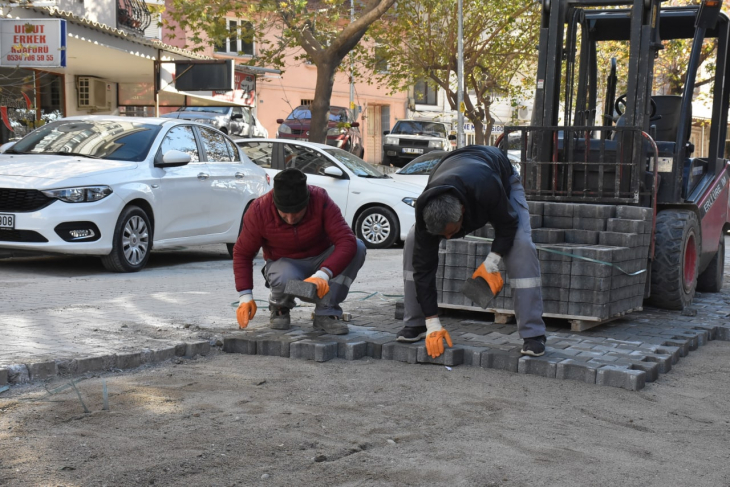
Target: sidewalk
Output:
{"points": [[61, 313]]}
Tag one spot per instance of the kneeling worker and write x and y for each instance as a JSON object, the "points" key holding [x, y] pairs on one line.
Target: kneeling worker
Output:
{"points": [[469, 188], [304, 237]]}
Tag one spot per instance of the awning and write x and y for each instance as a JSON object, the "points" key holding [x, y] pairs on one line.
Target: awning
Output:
{"points": [[169, 96]]}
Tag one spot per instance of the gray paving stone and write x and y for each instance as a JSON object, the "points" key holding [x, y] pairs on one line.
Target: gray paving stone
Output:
{"points": [[563, 222], [542, 366], [163, 354], [3, 377], [400, 352], [197, 348], [306, 291], [588, 237], [570, 369], [129, 360], [451, 357], [500, 359], [603, 212], [311, 350], [536, 207], [374, 350], [246, 346], [683, 346], [352, 350], [595, 224], [42, 370], [180, 349], [614, 376], [96, 364], [625, 226], [650, 368], [634, 213], [273, 347], [473, 355], [18, 374], [548, 235], [617, 239], [558, 209]]}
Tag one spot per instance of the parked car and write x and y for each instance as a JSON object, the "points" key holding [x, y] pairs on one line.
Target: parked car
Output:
{"points": [[412, 138], [343, 131], [229, 120], [379, 209], [419, 169], [117, 187]]}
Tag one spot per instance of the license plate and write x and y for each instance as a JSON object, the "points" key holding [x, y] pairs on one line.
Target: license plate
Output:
{"points": [[412, 151], [7, 221]]}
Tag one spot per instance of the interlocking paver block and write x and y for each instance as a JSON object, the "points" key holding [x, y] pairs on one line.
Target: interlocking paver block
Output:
{"points": [[594, 211], [352, 350], [563, 222], [274, 347], [129, 360], [311, 350], [478, 291], [3, 377], [682, 345], [452, 356], [625, 226], [163, 354], [558, 209], [650, 368], [180, 349], [42, 370], [500, 359], [617, 239], [588, 237], [400, 352], [197, 348], [595, 224], [18, 374], [613, 376], [570, 369], [634, 213], [96, 364], [548, 235], [246, 346], [306, 291], [542, 366], [473, 355], [399, 310]]}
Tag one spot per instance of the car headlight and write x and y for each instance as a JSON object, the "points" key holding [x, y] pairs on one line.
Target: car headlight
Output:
{"points": [[438, 144], [334, 131], [410, 201], [79, 195], [284, 129], [391, 140]]}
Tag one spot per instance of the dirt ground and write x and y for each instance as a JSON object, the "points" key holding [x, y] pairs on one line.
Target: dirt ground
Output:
{"points": [[254, 420]]}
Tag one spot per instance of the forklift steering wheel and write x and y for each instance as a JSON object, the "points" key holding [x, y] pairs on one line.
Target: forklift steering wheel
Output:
{"points": [[621, 102]]}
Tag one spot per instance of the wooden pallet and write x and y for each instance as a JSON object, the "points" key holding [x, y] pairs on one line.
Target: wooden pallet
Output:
{"points": [[577, 323]]}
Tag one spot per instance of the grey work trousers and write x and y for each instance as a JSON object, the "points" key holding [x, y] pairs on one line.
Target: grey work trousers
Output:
{"points": [[279, 272], [521, 263]]}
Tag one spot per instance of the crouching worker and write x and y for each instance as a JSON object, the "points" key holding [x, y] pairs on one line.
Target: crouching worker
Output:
{"points": [[469, 188], [304, 237]]}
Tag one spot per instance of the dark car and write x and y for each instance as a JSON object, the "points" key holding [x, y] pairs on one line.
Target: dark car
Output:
{"points": [[342, 129]]}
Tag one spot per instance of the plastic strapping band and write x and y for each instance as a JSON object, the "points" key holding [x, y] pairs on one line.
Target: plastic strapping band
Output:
{"points": [[558, 252]]}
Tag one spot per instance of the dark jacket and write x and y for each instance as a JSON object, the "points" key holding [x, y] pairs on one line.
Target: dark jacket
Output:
{"points": [[322, 226], [479, 177]]}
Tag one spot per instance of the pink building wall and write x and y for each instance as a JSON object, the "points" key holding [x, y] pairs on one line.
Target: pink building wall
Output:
{"points": [[277, 95]]}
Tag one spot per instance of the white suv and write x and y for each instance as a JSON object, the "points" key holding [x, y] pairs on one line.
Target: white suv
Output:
{"points": [[412, 138]]}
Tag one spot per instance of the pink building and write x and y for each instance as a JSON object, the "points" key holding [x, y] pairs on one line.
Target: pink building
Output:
{"points": [[276, 95]]}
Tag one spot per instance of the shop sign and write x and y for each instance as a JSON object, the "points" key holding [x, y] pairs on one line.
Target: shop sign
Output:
{"points": [[33, 42], [244, 91], [496, 129]]}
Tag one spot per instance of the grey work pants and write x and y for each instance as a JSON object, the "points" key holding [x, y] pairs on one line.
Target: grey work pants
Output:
{"points": [[521, 263], [279, 272]]}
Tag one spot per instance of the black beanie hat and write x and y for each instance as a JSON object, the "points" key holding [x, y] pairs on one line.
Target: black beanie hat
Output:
{"points": [[291, 194]]}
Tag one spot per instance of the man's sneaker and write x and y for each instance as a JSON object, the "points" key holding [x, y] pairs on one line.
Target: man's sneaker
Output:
{"points": [[280, 318], [534, 346], [411, 334], [330, 324]]}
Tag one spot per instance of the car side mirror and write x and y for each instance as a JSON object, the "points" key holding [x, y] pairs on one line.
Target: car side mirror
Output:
{"points": [[355, 124], [452, 137], [333, 171], [386, 132], [236, 115], [279, 120], [174, 158]]}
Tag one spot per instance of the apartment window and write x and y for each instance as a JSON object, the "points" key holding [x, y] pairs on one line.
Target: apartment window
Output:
{"points": [[425, 93], [240, 40]]}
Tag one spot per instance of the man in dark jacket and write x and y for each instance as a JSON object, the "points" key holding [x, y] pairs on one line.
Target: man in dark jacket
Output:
{"points": [[469, 188], [304, 237]]}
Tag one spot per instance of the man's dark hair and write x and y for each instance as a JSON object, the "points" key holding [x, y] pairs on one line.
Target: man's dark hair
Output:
{"points": [[440, 211]]}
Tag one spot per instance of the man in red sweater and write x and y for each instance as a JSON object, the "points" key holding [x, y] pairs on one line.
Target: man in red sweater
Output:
{"points": [[304, 237]]}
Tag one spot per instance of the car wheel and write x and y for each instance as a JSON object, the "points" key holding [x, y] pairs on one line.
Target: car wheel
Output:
{"points": [[377, 227], [132, 242]]}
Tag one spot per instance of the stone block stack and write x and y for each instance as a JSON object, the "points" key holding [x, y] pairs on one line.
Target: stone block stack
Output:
{"points": [[575, 241]]}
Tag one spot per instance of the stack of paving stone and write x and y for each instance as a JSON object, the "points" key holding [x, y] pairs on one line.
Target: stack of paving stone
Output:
{"points": [[566, 235]]}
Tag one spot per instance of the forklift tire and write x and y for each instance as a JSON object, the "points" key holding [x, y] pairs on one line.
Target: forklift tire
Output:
{"points": [[676, 259], [711, 279]]}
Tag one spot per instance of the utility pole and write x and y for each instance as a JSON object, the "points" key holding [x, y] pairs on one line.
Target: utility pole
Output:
{"points": [[460, 80], [352, 81]]}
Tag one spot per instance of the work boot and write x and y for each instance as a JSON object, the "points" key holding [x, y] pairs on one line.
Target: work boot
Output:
{"points": [[280, 318], [411, 334], [534, 346], [330, 324]]}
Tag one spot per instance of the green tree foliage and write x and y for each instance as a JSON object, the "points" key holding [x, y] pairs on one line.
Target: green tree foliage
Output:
{"points": [[318, 31], [418, 39]]}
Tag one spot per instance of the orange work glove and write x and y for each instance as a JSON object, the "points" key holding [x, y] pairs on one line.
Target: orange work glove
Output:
{"points": [[246, 310], [321, 280], [435, 336], [489, 271]]}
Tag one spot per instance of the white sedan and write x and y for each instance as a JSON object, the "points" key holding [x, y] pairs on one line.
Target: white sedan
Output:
{"points": [[117, 187], [380, 209]]}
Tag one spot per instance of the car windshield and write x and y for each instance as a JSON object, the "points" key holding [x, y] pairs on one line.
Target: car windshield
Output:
{"points": [[412, 127], [355, 164], [103, 139], [222, 110], [422, 166], [336, 114]]}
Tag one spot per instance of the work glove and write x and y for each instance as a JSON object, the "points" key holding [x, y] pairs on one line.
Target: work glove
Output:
{"points": [[246, 310], [321, 280], [489, 271], [435, 335]]}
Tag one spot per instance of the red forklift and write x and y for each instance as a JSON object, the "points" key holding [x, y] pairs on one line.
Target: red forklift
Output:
{"points": [[604, 132]]}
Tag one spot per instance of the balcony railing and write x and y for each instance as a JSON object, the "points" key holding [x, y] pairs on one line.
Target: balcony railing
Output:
{"points": [[133, 15]]}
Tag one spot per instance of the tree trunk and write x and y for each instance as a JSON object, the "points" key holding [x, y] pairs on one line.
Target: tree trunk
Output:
{"points": [[478, 132], [321, 104]]}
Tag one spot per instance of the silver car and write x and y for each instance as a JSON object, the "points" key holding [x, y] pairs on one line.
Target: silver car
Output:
{"points": [[229, 120]]}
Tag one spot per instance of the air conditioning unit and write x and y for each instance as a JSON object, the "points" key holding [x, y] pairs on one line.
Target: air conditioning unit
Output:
{"points": [[92, 93], [524, 113]]}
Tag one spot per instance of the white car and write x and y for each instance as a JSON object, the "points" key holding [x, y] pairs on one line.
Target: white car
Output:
{"points": [[379, 209], [117, 187]]}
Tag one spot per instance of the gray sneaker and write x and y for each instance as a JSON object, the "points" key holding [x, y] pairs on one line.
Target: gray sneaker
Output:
{"points": [[330, 324], [280, 318]]}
